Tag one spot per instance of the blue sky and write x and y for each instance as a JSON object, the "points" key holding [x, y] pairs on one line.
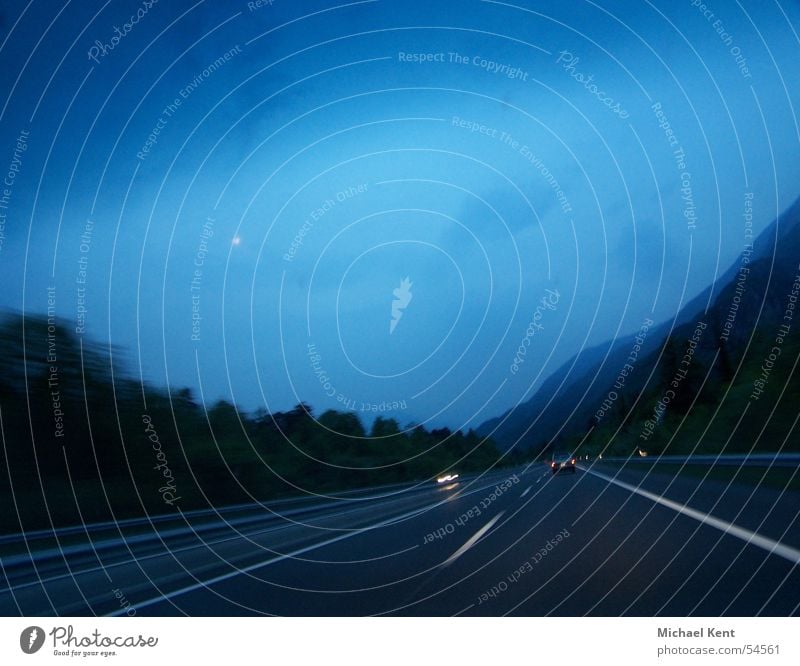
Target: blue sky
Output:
{"points": [[311, 117]]}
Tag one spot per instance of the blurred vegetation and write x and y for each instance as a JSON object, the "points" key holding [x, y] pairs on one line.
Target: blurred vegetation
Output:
{"points": [[713, 410], [83, 441]]}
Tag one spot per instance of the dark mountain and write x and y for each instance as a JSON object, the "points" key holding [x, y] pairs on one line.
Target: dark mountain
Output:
{"points": [[745, 304]]}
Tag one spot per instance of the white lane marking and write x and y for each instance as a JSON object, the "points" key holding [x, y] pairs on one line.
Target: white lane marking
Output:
{"points": [[232, 574], [472, 540], [527, 490], [753, 538], [207, 545]]}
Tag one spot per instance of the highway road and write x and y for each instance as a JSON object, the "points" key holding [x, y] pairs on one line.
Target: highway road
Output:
{"points": [[603, 541]]}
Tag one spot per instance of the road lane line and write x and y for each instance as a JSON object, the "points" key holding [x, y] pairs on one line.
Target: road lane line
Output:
{"points": [[472, 540], [753, 538], [527, 490], [172, 551], [198, 544]]}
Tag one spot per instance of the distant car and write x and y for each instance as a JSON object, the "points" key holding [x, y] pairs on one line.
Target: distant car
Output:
{"points": [[563, 463], [450, 477]]}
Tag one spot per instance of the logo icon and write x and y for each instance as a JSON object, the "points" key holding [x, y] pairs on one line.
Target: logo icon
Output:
{"points": [[31, 639], [402, 297]]}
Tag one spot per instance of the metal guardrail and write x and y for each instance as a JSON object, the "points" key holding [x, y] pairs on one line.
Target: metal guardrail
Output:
{"points": [[153, 529], [739, 460]]}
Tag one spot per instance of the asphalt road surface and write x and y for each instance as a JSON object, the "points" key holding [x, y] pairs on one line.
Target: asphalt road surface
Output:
{"points": [[520, 542]]}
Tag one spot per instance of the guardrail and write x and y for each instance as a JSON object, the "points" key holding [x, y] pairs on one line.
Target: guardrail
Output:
{"points": [[739, 460]]}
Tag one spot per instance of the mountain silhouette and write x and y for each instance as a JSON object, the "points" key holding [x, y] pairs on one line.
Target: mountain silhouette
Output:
{"points": [[741, 311]]}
